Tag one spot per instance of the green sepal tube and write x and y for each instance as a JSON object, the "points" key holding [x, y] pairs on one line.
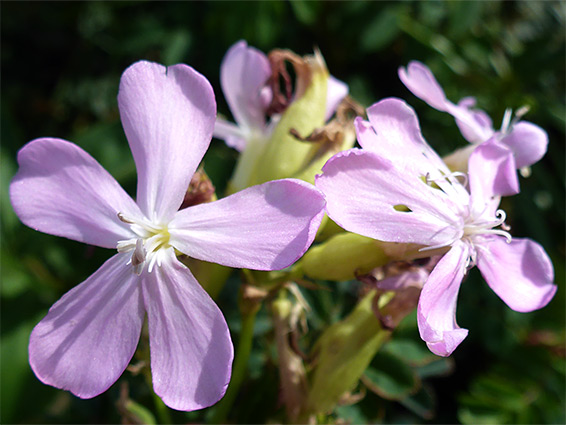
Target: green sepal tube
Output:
{"points": [[342, 256], [284, 154], [344, 351]]}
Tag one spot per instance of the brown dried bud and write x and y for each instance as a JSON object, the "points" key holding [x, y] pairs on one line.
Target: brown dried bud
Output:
{"points": [[200, 191]]}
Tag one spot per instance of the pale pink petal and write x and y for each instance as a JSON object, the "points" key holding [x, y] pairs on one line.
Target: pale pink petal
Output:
{"points": [[336, 91], [520, 272], [168, 115], [365, 194], [191, 349], [61, 190], [412, 278], [474, 124], [265, 227], [436, 313], [492, 172], [230, 133], [394, 133], [528, 142], [243, 74], [421, 82], [90, 335]]}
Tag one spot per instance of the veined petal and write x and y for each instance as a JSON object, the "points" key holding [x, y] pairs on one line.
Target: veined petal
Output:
{"points": [[528, 142], [191, 349], [421, 82], [90, 335], [230, 133], [61, 190], [365, 194], [336, 91], [436, 313], [519, 272], [168, 115], [243, 73], [264, 227], [396, 135], [474, 124], [492, 173]]}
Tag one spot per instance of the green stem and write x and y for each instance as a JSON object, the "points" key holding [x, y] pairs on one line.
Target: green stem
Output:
{"points": [[163, 414], [238, 370], [162, 410]]}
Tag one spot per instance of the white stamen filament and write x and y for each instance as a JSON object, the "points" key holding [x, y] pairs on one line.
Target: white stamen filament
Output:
{"points": [[487, 227], [151, 241], [505, 124], [446, 177], [509, 120]]}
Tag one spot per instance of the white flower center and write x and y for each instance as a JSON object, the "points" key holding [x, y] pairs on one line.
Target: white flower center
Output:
{"points": [[473, 228], [150, 245]]}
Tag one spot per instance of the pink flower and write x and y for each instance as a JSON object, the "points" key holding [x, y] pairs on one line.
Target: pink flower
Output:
{"points": [[243, 76], [397, 189], [527, 141], [90, 335]]}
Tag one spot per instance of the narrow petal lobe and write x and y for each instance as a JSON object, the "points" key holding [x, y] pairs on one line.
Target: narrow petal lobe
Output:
{"points": [[90, 335], [528, 142], [168, 115], [436, 313], [191, 349], [519, 272], [264, 227], [243, 73], [61, 190]]}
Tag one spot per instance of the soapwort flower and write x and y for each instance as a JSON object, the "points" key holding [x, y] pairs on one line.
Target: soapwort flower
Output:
{"points": [[90, 335], [244, 74], [527, 141], [397, 189]]}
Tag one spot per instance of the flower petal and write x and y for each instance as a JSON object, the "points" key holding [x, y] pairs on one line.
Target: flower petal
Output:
{"points": [[243, 73], [519, 272], [230, 133], [528, 142], [168, 115], [264, 227], [61, 190], [474, 124], [336, 91], [394, 133], [436, 313], [191, 349], [90, 335], [366, 193], [421, 82], [492, 173]]}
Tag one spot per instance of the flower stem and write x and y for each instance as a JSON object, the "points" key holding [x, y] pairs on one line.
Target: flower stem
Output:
{"points": [[239, 369]]}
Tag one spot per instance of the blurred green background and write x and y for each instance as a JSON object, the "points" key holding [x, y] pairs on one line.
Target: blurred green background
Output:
{"points": [[61, 64]]}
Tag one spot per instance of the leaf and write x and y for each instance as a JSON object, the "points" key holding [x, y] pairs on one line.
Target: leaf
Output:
{"points": [[439, 367], [422, 403], [390, 377], [381, 31], [414, 353]]}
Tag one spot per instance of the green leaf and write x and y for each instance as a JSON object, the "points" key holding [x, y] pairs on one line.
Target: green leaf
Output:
{"points": [[414, 353], [305, 11], [381, 31], [422, 403], [14, 370], [138, 414], [390, 377], [439, 367]]}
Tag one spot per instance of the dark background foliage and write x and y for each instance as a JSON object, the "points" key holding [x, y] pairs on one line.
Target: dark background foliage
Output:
{"points": [[61, 64]]}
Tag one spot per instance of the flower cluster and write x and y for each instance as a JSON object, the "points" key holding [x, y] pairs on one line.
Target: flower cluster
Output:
{"points": [[393, 197]]}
